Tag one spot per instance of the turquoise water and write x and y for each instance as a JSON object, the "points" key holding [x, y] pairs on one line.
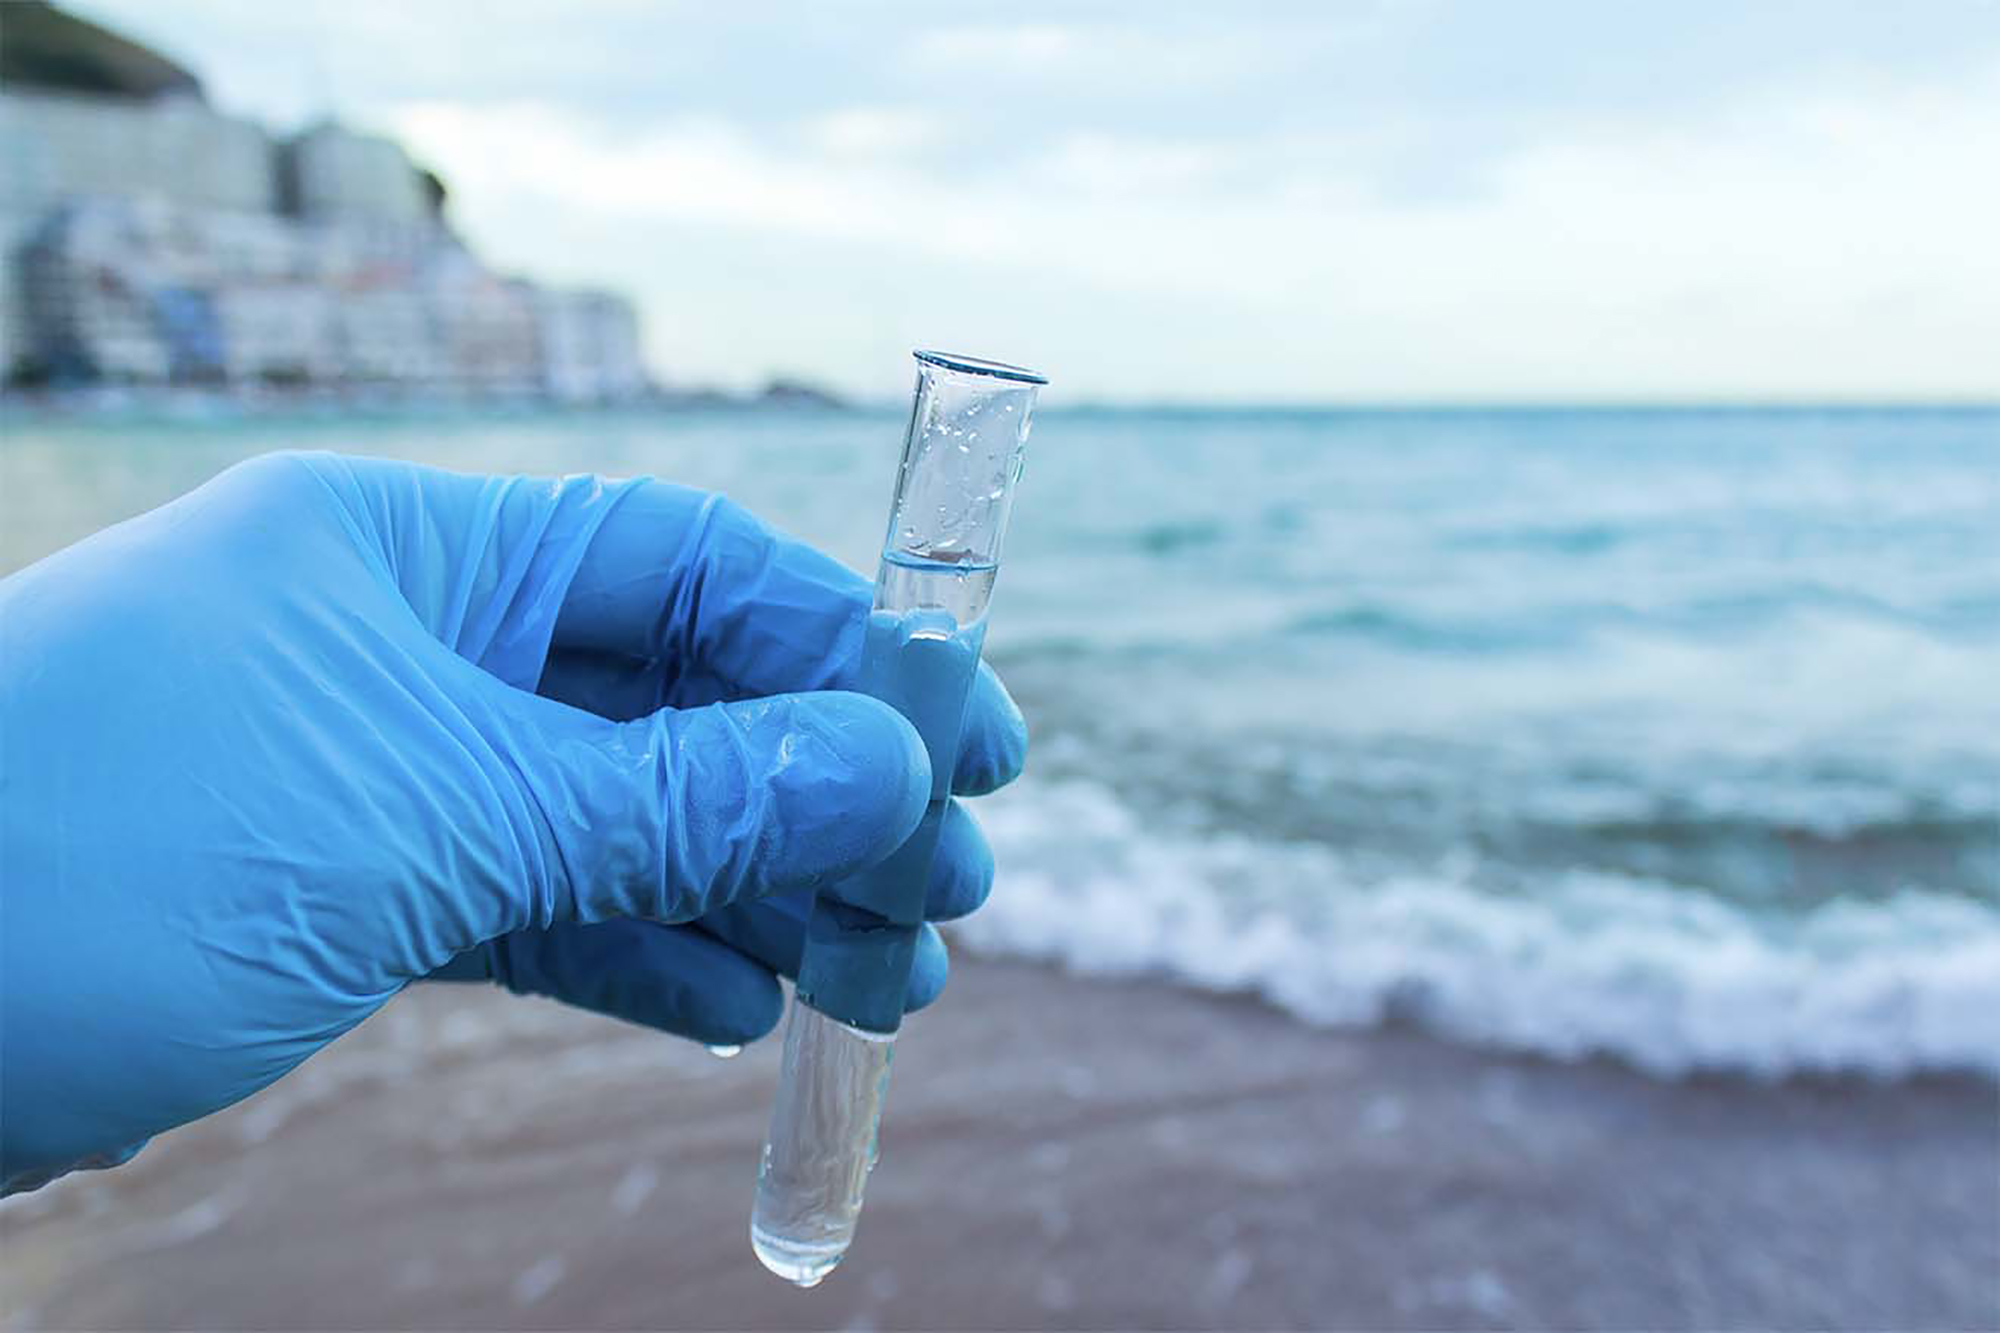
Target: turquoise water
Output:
{"points": [[1672, 735]]}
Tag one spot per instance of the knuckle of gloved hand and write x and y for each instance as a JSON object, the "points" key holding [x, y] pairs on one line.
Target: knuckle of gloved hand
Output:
{"points": [[962, 873], [732, 537], [751, 1018], [994, 747], [929, 972], [279, 474], [715, 814], [787, 792]]}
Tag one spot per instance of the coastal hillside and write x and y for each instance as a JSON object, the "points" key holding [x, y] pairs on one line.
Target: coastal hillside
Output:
{"points": [[44, 47], [151, 239]]}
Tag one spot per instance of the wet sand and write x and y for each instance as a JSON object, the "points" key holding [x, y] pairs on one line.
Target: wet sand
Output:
{"points": [[1060, 1153]]}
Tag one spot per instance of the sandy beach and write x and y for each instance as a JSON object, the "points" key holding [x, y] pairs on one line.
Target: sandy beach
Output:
{"points": [[1060, 1153]]}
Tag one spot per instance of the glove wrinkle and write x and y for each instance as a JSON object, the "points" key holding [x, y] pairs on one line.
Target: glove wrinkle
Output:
{"points": [[677, 633], [740, 830]]}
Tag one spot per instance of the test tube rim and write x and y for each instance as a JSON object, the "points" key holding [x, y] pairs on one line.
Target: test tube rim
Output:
{"points": [[979, 365]]}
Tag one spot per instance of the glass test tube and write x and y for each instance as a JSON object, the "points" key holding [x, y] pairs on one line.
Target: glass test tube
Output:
{"points": [[961, 460]]}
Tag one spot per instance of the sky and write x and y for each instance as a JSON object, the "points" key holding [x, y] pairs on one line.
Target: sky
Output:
{"points": [[1344, 201]]}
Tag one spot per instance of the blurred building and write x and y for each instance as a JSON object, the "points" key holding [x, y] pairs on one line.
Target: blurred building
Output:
{"points": [[589, 347], [147, 238], [88, 286], [485, 325], [332, 174], [58, 146], [384, 338]]}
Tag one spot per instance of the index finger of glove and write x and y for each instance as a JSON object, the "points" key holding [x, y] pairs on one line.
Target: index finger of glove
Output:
{"points": [[694, 587]]}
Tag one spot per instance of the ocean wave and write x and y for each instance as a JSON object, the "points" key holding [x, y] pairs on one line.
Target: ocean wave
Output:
{"points": [[1758, 629], [1704, 617], [1583, 538], [1666, 977], [1416, 633]]}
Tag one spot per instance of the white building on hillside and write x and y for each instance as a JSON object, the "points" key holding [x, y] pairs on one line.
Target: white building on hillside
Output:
{"points": [[147, 239], [589, 347], [333, 174], [56, 146], [277, 333], [176, 148], [385, 336], [489, 341], [89, 291]]}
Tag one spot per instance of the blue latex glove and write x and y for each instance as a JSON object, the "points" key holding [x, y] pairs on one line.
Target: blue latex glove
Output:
{"points": [[326, 726]]}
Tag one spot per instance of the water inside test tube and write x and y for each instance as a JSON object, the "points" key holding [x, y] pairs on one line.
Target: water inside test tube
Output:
{"points": [[821, 1145], [910, 581]]}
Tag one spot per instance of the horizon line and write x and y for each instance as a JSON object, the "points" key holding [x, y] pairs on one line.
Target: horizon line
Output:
{"points": [[1965, 403]]}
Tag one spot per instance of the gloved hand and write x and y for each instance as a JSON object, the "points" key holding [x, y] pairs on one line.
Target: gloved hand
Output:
{"points": [[326, 726]]}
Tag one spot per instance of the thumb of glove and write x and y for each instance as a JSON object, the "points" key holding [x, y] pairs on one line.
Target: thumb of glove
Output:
{"points": [[672, 815]]}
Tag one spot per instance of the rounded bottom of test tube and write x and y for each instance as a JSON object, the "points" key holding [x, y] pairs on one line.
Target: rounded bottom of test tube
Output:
{"points": [[801, 1264]]}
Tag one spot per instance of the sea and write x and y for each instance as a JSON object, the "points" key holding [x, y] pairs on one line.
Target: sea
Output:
{"points": [[1664, 736]]}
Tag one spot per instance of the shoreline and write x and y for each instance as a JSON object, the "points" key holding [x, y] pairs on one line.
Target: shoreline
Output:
{"points": [[116, 404], [1059, 1152]]}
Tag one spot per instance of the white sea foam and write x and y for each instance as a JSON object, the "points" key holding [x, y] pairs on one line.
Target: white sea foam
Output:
{"points": [[1667, 977]]}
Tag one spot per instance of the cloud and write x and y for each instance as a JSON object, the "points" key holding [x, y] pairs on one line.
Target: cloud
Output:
{"points": [[873, 131], [1022, 48], [1165, 55], [1111, 164], [690, 168], [1822, 239], [1407, 199]]}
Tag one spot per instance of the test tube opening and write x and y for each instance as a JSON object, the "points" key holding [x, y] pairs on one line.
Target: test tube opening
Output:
{"points": [[969, 422], [979, 365]]}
